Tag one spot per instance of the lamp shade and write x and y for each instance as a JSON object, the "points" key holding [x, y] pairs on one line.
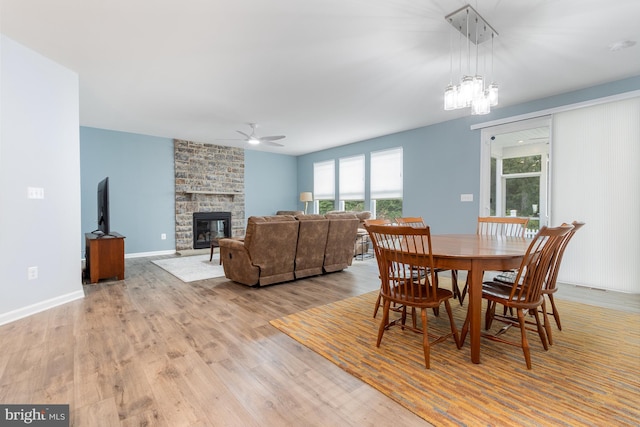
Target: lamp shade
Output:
{"points": [[306, 196]]}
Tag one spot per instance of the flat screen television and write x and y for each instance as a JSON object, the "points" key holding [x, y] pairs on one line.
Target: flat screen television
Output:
{"points": [[103, 207]]}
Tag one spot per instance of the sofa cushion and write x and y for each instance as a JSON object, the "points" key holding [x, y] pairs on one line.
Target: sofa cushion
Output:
{"points": [[341, 238], [361, 215], [312, 241]]}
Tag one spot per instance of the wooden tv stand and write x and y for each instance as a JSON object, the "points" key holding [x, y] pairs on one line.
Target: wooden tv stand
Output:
{"points": [[104, 256]]}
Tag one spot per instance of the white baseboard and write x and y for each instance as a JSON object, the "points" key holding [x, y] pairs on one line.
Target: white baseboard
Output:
{"points": [[141, 255], [146, 254], [40, 306]]}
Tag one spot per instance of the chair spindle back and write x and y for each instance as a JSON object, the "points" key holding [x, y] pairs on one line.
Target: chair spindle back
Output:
{"points": [[405, 260], [502, 226], [537, 264]]}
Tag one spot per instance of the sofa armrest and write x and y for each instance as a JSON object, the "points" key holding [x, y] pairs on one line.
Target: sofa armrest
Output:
{"points": [[237, 263]]}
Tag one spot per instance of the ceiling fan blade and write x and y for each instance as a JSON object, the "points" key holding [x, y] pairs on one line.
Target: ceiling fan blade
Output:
{"points": [[271, 138], [267, 142], [244, 134]]}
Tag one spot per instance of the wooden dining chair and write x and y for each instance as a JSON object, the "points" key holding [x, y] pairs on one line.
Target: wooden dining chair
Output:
{"points": [[378, 222], [497, 226], [525, 294], [418, 221], [411, 221], [550, 287], [408, 280]]}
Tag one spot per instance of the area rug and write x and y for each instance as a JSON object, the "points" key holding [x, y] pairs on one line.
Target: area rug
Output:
{"points": [[588, 377], [192, 268]]}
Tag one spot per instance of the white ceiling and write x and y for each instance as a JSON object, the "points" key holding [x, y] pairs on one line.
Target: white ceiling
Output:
{"points": [[322, 72]]}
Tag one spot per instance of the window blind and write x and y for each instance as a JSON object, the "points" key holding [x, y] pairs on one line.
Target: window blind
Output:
{"points": [[324, 180], [351, 178], [386, 174], [596, 179]]}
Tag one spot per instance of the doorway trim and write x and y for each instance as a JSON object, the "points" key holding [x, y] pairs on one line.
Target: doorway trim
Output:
{"points": [[484, 205]]}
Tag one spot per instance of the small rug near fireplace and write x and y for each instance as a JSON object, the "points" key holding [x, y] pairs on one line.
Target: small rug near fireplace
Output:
{"points": [[192, 268]]}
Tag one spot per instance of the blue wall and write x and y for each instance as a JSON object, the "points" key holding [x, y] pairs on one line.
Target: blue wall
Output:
{"points": [[141, 186], [442, 161], [270, 182]]}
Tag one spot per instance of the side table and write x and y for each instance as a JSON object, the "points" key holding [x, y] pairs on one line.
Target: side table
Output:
{"points": [[362, 240], [104, 256]]}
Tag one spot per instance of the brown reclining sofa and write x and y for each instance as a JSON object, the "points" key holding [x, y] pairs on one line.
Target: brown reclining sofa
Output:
{"points": [[282, 248]]}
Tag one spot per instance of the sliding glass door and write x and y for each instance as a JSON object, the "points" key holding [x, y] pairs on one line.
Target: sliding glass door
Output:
{"points": [[515, 171]]}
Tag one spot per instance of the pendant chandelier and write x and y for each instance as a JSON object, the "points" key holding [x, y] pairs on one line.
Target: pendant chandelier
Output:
{"points": [[470, 90]]}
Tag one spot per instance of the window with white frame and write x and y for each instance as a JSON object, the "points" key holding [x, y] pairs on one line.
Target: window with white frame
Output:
{"points": [[386, 183], [324, 186], [351, 183]]}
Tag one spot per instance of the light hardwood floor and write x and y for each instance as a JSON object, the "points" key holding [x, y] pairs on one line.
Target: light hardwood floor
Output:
{"points": [[153, 351]]}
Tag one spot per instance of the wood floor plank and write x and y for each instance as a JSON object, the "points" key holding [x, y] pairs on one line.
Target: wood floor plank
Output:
{"points": [[210, 394], [103, 413], [171, 393]]}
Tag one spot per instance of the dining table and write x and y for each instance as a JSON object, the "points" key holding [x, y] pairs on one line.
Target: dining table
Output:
{"points": [[476, 254]]}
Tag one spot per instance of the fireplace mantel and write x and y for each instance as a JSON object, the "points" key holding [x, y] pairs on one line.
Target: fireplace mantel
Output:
{"points": [[220, 193]]}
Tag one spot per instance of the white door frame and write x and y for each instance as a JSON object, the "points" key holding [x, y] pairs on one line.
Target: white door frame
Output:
{"points": [[485, 165]]}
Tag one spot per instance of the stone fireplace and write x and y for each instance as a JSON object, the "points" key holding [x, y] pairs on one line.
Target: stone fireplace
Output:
{"points": [[208, 178]]}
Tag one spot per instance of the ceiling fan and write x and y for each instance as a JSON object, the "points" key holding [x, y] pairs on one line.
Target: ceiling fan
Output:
{"points": [[253, 139]]}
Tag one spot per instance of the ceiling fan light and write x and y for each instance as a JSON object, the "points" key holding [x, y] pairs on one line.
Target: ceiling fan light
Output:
{"points": [[253, 141]]}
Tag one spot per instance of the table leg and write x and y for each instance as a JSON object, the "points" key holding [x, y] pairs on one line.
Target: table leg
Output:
{"points": [[475, 309]]}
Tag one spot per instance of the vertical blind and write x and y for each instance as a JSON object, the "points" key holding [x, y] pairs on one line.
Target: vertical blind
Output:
{"points": [[324, 180], [351, 173], [386, 174], [596, 179]]}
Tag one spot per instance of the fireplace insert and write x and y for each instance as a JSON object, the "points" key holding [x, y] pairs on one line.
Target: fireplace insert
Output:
{"points": [[208, 227]]}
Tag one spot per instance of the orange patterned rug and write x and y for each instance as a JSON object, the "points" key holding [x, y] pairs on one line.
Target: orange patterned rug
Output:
{"points": [[589, 377]]}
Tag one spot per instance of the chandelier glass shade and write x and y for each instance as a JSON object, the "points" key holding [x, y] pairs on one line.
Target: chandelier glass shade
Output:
{"points": [[471, 89]]}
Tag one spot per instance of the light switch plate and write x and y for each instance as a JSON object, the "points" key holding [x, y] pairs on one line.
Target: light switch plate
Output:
{"points": [[466, 197], [35, 193]]}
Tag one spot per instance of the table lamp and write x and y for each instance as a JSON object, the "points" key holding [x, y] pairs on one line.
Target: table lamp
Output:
{"points": [[306, 197]]}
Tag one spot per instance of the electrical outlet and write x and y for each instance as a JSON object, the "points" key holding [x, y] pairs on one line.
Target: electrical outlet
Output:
{"points": [[163, 236], [32, 273]]}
